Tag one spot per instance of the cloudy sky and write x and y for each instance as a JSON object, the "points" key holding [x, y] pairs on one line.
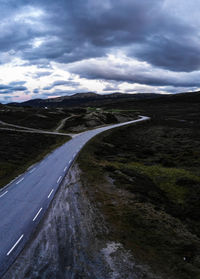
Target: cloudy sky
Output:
{"points": [[55, 48]]}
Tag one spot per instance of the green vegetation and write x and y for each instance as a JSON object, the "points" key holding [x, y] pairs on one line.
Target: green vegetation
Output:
{"points": [[79, 119], [94, 117], [91, 109], [145, 179], [122, 110], [19, 150], [33, 118]]}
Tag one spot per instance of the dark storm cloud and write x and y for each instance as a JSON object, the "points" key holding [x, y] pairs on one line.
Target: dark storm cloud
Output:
{"points": [[62, 82], [91, 28], [42, 31], [10, 88], [74, 30], [173, 54], [16, 33], [113, 23], [17, 83], [2, 92], [19, 88], [3, 86], [171, 89], [127, 73]]}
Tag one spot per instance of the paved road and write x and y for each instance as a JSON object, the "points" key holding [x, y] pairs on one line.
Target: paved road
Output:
{"points": [[24, 202]]}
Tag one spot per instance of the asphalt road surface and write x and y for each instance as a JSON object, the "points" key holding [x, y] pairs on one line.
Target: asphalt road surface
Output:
{"points": [[24, 202]]}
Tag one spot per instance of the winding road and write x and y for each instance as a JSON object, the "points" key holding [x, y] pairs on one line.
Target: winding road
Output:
{"points": [[25, 200]]}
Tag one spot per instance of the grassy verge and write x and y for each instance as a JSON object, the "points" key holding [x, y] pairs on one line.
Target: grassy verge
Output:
{"points": [[18, 151], [145, 180]]}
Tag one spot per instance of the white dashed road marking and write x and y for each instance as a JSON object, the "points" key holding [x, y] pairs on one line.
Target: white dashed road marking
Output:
{"points": [[59, 179], [37, 214], [15, 245], [50, 193], [32, 170], [20, 180], [3, 194]]}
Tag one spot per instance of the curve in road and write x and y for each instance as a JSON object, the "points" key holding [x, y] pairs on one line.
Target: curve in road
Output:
{"points": [[24, 202]]}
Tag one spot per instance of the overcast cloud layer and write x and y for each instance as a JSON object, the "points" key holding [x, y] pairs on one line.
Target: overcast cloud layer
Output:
{"points": [[52, 48]]}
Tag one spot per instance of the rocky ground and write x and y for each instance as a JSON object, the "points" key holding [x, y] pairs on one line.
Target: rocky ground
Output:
{"points": [[92, 119]]}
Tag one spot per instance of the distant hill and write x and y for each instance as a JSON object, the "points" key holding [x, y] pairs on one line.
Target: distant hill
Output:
{"points": [[85, 99], [93, 99], [185, 97]]}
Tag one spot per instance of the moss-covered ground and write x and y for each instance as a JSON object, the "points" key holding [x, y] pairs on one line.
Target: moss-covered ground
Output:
{"points": [[145, 179]]}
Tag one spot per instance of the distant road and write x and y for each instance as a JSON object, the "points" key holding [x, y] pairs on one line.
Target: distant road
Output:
{"points": [[23, 129], [62, 123], [36, 132], [24, 202]]}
